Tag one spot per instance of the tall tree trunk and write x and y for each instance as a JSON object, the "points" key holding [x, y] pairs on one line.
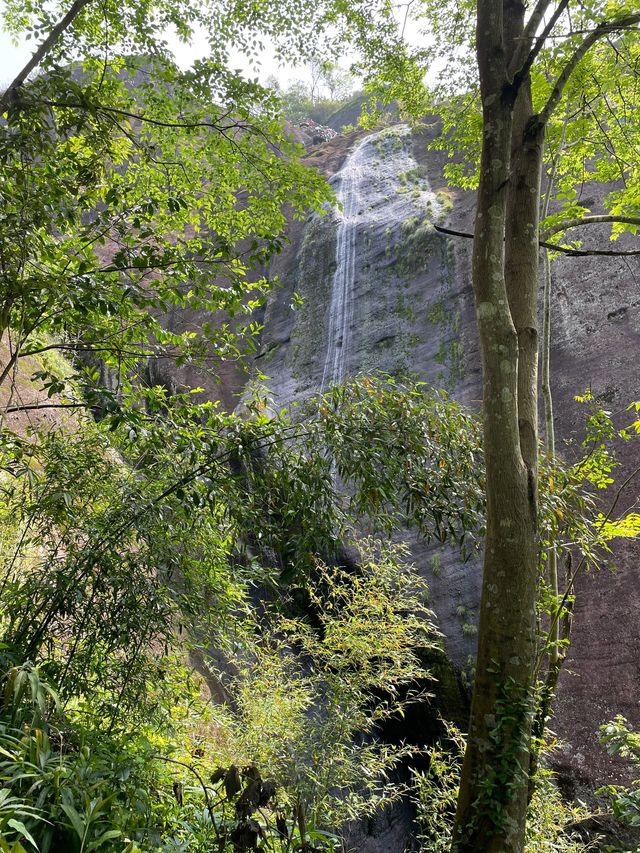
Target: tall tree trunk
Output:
{"points": [[492, 803]]}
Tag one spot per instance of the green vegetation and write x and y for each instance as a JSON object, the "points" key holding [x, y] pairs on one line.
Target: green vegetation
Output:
{"points": [[419, 242], [153, 535], [445, 201], [391, 139], [104, 607], [413, 176], [436, 313], [620, 739], [89, 776], [437, 794], [328, 89], [132, 548], [436, 565], [533, 72]]}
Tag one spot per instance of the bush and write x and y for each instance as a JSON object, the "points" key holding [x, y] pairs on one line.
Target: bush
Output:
{"points": [[304, 685], [620, 739], [295, 755], [436, 794]]}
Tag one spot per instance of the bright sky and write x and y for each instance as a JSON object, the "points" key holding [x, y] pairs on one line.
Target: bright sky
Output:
{"points": [[13, 58]]}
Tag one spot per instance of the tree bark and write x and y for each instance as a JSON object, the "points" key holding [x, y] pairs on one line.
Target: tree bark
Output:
{"points": [[492, 803], [552, 558]]}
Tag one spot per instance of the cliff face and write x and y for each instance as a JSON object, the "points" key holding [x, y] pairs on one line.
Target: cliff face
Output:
{"points": [[372, 274], [379, 293], [595, 343], [382, 290]]}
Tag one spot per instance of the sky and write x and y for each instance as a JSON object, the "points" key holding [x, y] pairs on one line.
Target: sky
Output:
{"points": [[13, 58]]}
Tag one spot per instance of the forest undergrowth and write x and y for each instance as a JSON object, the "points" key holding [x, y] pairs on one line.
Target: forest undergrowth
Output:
{"points": [[199, 649]]}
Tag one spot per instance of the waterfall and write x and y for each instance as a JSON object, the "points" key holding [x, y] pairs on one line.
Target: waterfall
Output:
{"points": [[341, 308], [367, 187]]}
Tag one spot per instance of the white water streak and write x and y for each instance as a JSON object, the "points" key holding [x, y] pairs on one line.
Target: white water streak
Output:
{"points": [[341, 308], [367, 192]]}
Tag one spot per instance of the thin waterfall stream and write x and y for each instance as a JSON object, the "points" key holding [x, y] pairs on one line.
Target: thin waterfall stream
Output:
{"points": [[369, 187], [341, 308]]}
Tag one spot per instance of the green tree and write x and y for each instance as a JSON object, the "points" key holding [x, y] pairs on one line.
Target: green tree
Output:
{"points": [[328, 89], [131, 189], [530, 62]]}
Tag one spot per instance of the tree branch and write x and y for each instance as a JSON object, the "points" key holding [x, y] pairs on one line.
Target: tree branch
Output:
{"points": [[141, 117], [521, 65], [42, 51], [601, 30], [531, 27], [576, 253], [452, 233], [583, 560], [35, 406], [585, 253], [590, 219], [9, 365]]}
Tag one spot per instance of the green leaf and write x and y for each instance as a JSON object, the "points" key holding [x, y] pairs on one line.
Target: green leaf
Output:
{"points": [[77, 821], [22, 829]]}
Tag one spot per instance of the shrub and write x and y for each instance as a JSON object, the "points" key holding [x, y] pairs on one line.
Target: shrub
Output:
{"points": [[620, 739], [436, 794]]}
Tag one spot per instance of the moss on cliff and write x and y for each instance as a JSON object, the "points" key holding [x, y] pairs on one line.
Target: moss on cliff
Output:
{"points": [[314, 278]]}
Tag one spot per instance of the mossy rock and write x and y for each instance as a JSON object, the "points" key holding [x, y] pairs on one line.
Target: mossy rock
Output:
{"points": [[419, 243]]}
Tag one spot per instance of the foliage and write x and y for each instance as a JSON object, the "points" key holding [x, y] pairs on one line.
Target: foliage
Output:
{"points": [[435, 473], [108, 231], [132, 190], [97, 579], [393, 69], [304, 685], [298, 703], [571, 520], [436, 791], [96, 572], [328, 89], [593, 128], [620, 739], [575, 537], [80, 788], [147, 533]]}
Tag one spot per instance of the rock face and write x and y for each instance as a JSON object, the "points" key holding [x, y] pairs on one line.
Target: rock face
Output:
{"points": [[379, 294], [596, 340], [382, 290], [368, 273]]}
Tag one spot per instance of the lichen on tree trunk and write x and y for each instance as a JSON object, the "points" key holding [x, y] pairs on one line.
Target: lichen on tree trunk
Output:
{"points": [[493, 792]]}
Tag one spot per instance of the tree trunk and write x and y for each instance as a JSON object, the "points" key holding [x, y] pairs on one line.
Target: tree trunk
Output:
{"points": [[552, 557], [492, 803]]}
